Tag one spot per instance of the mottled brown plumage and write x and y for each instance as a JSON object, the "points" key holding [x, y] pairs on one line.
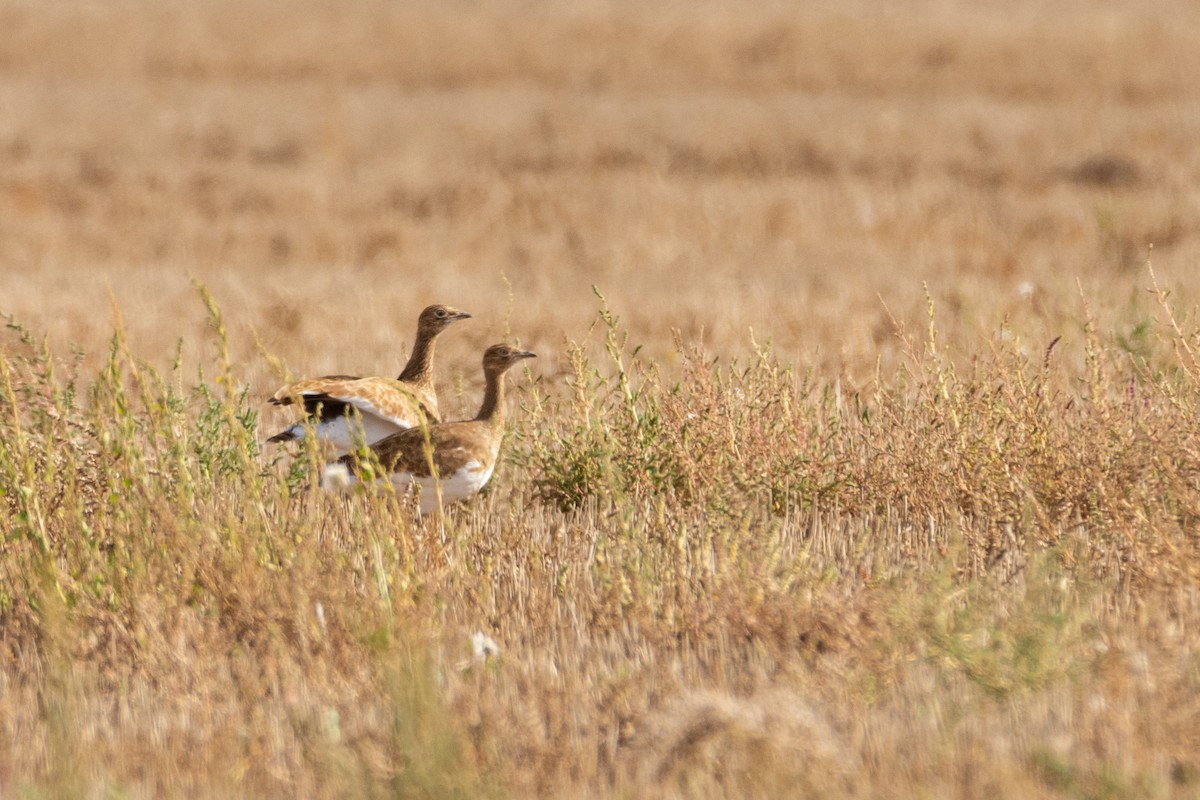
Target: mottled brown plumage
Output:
{"points": [[462, 453], [383, 405]]}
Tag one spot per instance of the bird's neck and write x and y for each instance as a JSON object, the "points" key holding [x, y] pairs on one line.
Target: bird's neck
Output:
{"points": [[492, 409], [418, 370]]}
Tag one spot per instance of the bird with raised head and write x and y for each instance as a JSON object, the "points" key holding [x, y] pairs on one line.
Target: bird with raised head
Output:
{"points": [[453, 459], [338, 407]]}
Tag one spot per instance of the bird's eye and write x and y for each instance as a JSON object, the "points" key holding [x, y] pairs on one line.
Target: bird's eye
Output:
{"points": [[441, 312]]}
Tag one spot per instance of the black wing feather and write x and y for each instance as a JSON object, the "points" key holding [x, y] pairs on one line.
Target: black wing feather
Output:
{"points": [[324, 407]]}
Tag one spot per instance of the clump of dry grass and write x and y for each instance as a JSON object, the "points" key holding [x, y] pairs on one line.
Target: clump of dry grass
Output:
{"points": [[709, 580], [1026, 445], [719, 436]]}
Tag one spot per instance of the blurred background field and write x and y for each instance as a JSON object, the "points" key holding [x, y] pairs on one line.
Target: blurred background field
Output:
{"points": [[916, 615], [713, 167]]}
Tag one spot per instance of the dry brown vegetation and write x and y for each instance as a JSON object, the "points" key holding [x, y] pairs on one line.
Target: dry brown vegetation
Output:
{"points": [[869, 468]]}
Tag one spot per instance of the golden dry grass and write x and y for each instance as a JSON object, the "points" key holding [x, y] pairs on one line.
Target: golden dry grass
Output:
{"points": [[928, 530]]}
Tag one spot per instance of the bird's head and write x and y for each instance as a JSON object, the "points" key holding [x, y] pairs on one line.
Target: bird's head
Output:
{"points": [[435, 319], [500, 357]]}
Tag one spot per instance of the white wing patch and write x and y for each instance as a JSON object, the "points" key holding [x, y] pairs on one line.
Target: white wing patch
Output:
{"points": [[341, 433], [368, 411]]}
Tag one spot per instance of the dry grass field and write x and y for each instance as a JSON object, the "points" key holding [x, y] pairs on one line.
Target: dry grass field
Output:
{"points": [[861, 457]]}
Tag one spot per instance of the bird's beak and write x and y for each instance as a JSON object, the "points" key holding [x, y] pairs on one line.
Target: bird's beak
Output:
{"points": [[460, 315], [526, 354]]}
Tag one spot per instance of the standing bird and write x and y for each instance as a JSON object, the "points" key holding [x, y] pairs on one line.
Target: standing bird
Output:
{"points": [[462, 454], [382, 406]]}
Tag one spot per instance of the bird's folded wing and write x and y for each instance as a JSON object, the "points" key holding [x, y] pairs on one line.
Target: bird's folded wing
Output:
{"points": [[384, 398], [409, 451]]}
